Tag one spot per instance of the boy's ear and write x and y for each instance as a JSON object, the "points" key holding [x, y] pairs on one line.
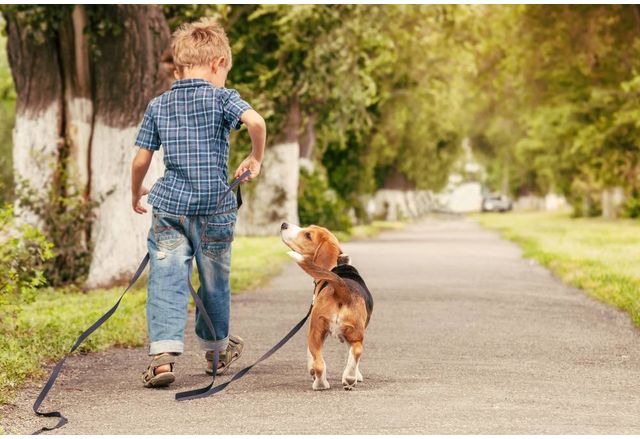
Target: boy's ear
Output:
{"points": [[217, 63]]}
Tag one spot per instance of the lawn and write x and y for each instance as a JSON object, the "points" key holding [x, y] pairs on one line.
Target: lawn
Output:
{"points": [[602, 257], [45, 329]]}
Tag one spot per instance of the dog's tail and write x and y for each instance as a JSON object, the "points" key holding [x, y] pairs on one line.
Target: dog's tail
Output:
{"points": [[319, 274]]}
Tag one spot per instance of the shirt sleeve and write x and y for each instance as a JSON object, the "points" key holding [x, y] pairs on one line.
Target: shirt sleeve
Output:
{"points": [[233, 106], [148, 136]]}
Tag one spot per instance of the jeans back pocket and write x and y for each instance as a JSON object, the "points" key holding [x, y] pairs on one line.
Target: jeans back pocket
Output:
{"points": [[167, 230], [218, 234]]}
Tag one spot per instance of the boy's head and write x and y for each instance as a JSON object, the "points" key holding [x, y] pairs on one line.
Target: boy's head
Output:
{"points": [[201, 45]]}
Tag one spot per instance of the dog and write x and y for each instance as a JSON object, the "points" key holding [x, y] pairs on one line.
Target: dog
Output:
{"points": [[342, 303]]}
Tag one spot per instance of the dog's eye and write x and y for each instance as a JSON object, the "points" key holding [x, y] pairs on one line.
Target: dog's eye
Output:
{"points": [[308, 235]]}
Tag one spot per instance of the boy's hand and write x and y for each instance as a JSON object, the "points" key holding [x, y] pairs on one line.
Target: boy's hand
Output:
{"points": [[250, 163], [135, 200]]}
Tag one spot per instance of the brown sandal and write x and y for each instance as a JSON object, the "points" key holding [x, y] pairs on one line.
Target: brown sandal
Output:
{"points": [[233, 352], [151, 379]]}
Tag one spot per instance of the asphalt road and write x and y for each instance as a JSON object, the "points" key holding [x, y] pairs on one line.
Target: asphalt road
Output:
{"points": [[466, 337]]}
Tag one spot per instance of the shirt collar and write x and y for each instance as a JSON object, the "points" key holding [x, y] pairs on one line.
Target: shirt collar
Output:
{"points": [[184, 83]]}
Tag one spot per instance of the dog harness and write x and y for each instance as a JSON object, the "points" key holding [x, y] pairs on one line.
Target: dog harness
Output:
{"points": [[356, 285]]}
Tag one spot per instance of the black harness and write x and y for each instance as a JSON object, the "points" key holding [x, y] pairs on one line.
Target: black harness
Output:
{"points": [[356, 285]]}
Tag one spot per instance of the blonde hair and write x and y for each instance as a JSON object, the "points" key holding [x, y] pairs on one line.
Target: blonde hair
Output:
{"points": [[200, 43]]}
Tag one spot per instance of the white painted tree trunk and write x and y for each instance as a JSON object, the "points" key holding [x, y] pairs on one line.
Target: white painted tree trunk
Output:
{"points": [[119, 234], [272, 198], [36, 141], [612, 201], [79, 115]]}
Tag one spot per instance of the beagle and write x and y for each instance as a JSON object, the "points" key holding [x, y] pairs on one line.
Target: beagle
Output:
{"points": [[342, 303]]}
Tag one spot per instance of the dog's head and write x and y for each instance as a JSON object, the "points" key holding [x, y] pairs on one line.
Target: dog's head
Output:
{"points": [[314, 243]]}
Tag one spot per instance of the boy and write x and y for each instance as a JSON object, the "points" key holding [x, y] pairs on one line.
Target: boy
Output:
{"points": [[192, 122]]}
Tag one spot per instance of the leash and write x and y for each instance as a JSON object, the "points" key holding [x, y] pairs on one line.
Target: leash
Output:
{"points": [[199, 393]]}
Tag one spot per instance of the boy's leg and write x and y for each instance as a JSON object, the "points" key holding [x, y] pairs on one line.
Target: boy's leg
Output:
{"points": [[170, 256], [214, 262]]}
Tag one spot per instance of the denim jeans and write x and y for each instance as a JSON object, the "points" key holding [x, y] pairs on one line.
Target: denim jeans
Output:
{"points": [[171, 242]]}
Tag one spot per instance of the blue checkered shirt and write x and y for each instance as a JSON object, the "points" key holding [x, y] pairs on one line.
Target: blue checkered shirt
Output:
{"points": [[192, 122]]}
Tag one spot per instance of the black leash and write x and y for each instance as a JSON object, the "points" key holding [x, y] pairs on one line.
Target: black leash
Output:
{"points": [[56, 370], [210, 390], [199, 393]]}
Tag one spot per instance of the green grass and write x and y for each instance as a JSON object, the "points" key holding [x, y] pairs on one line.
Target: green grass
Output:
{"points": [[600, 256], [44, 330], [369, 230]]}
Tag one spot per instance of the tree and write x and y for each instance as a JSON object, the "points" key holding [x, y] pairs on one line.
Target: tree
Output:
{"points": [[83, 77], [561, 79]]}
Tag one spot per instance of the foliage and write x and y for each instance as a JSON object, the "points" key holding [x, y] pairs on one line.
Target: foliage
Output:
{"points": [[348, 81], [317, 204], [45, 329], [23, 251], [600, 256], [557, 97], [66, 220]]}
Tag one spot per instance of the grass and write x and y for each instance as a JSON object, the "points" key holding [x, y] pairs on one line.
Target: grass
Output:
{"points": [[43, 331], [600, 256], [365, 231]]}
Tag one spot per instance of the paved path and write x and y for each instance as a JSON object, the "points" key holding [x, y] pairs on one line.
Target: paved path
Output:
{"points": [[466, 337]]}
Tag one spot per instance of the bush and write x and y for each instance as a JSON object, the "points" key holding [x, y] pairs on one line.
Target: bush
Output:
{"points": [[631, 207], [23, 251], [67, 222], [318, 204]]}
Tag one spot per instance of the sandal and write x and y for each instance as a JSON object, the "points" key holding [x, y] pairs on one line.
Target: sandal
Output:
{"points": [[233, 352], [151, 379]]}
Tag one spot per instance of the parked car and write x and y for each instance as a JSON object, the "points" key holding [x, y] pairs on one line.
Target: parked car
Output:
{"points": [[496, 203]]}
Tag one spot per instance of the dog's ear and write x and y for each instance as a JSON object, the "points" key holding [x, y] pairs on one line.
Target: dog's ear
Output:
{"points": [[344, 259]]}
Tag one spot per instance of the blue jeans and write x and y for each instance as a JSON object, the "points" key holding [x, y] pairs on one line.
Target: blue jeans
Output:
{"points": [[171, 242]]}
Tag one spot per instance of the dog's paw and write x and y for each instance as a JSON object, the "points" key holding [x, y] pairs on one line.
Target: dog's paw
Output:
{"points": [[295, 255], [359, 377], [320, 384], [348, 383]]}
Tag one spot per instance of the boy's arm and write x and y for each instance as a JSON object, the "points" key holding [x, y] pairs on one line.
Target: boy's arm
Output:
{"points": [[139, 169], [258, 132]]}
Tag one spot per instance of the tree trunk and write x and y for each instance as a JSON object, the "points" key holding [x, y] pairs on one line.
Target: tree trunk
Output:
{"points": [[37, 134], [78, 109], [129, 72], [273, 197]]}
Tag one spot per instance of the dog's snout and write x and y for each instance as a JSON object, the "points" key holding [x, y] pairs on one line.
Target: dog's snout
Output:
{"points": [[284, 226]]}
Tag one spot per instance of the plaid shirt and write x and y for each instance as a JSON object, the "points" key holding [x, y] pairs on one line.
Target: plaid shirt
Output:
{"points": [[192, 122]]}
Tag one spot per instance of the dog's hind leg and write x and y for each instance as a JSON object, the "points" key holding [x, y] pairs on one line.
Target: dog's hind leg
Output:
{"points": [[351, 375], [318, 368]]}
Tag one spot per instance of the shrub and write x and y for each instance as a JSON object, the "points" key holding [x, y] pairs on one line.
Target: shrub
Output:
{"points": [[631, 207], [66, 222], [23, 251], [318, 204]]}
